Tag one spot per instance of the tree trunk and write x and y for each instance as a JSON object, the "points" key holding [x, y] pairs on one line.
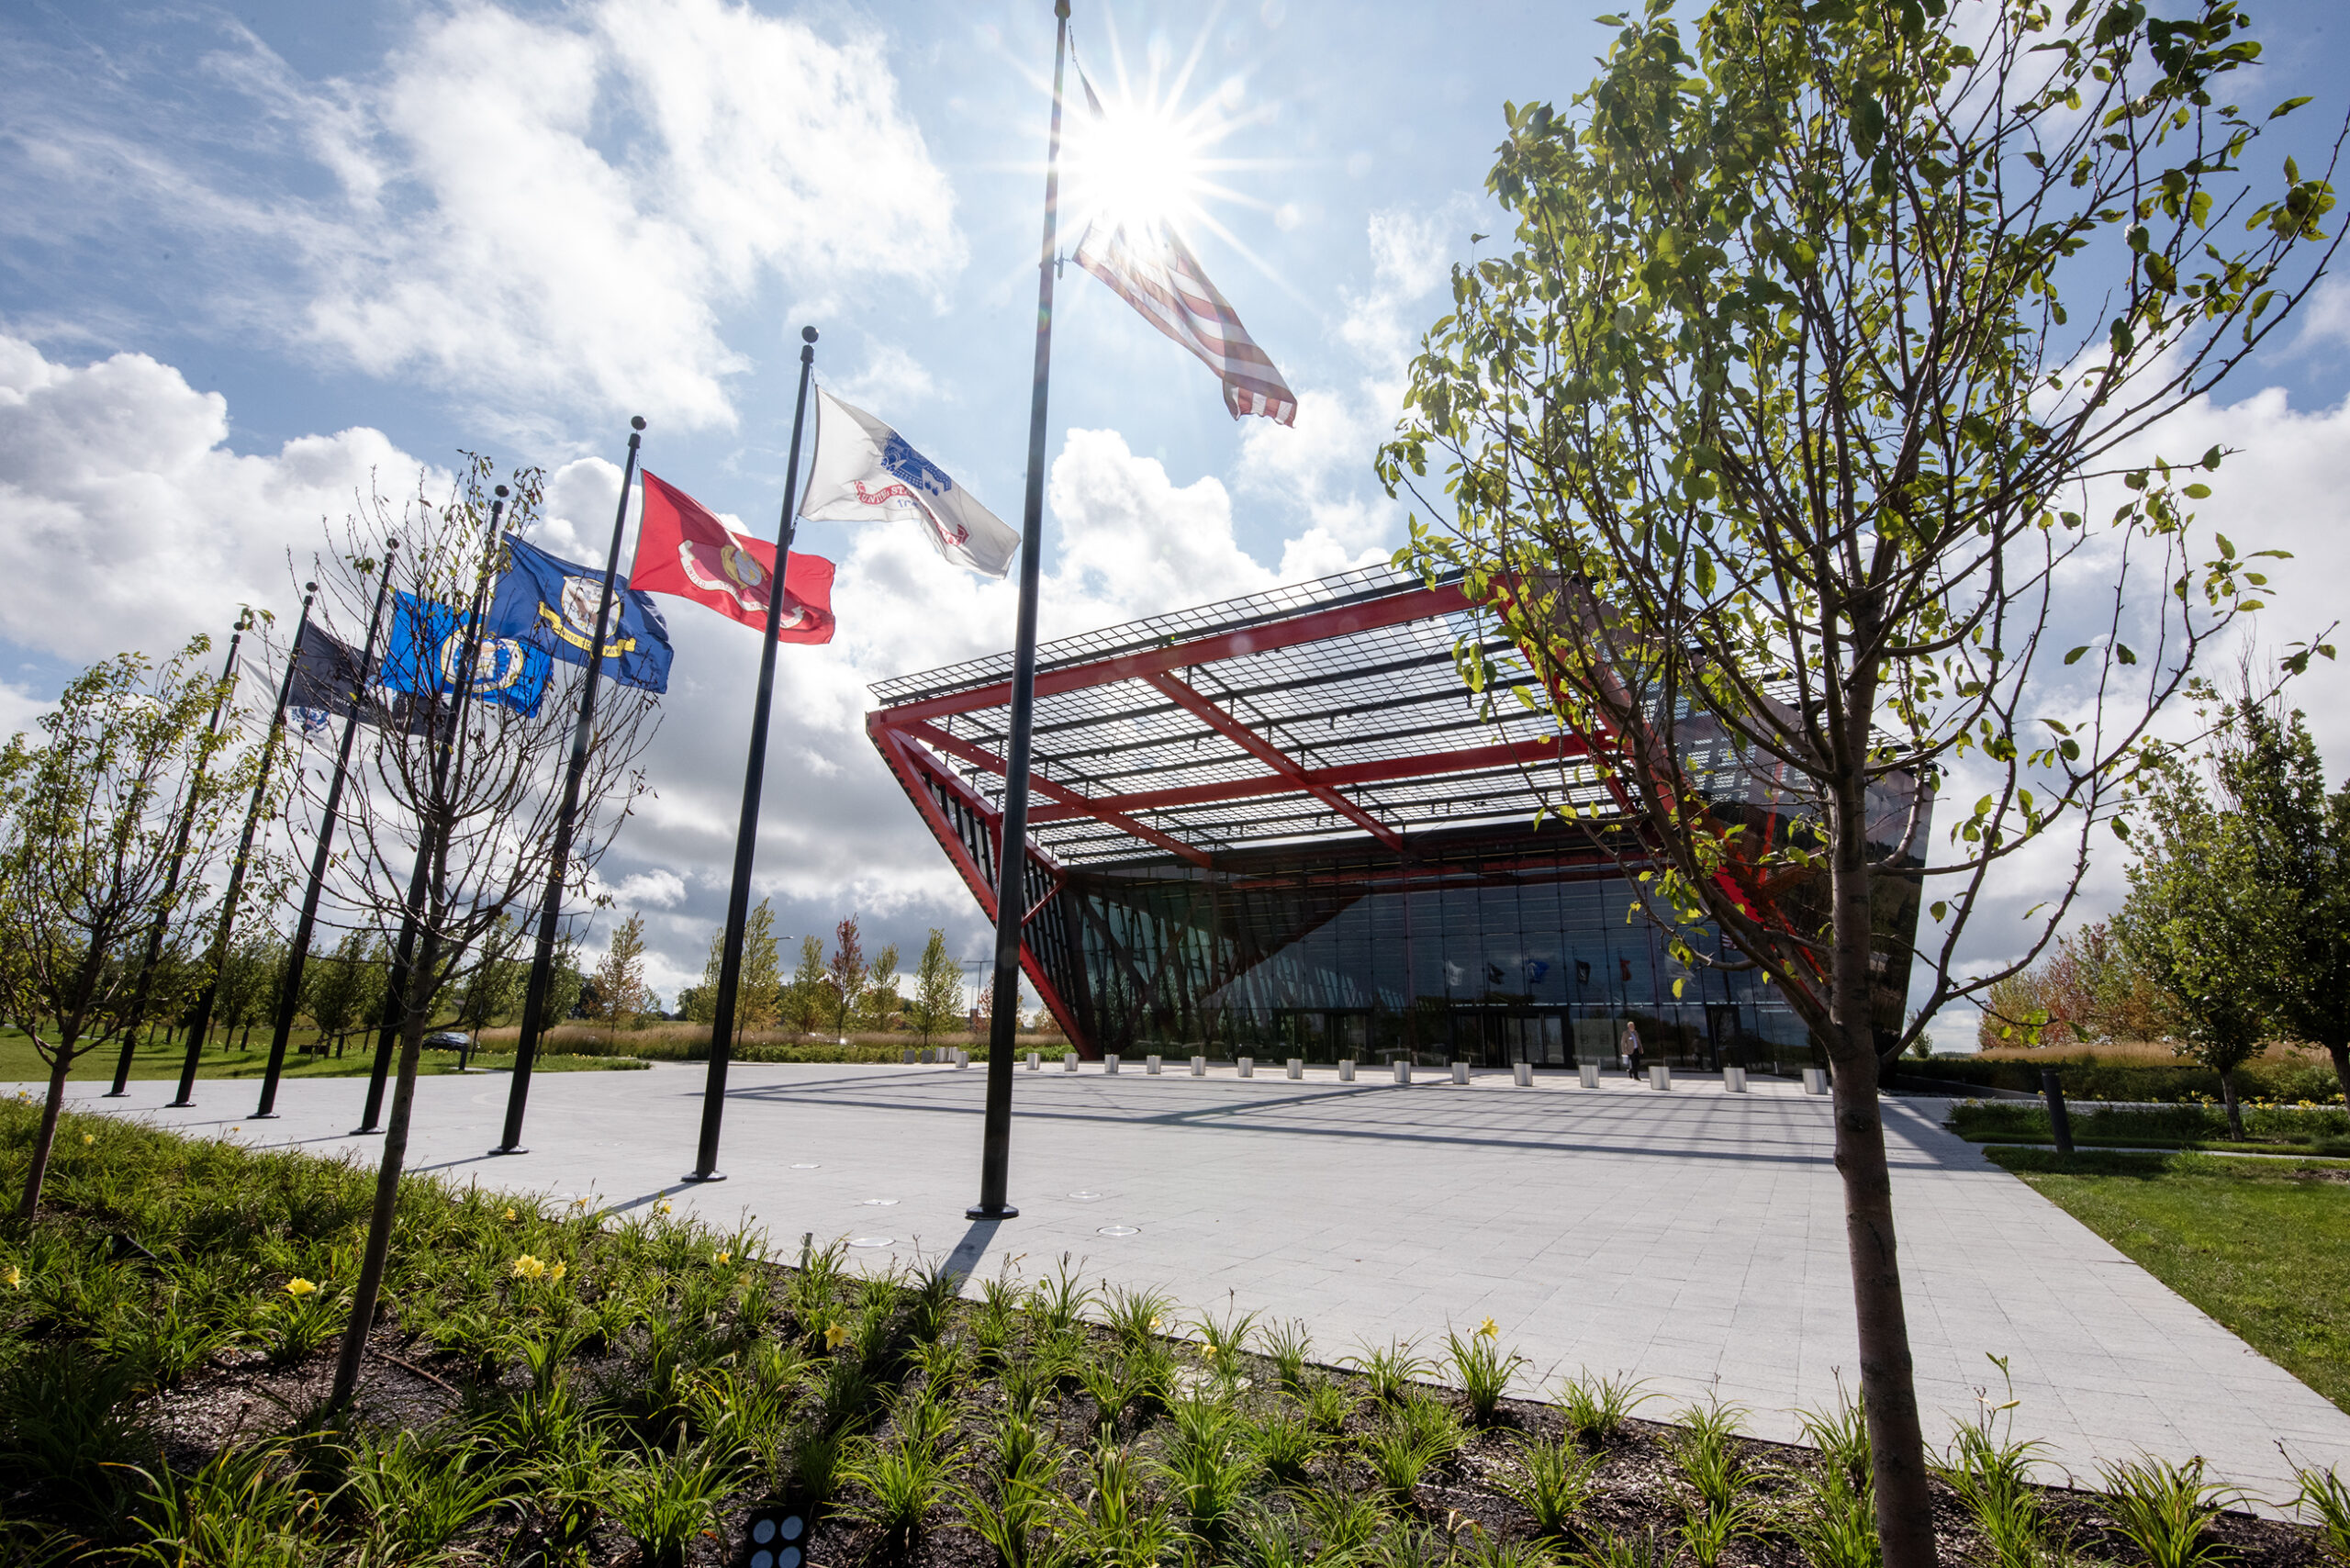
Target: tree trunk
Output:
{"points": [[47, 1141], [387, 1183], [1905, 1520], [2228, 1098], [2340, 1052]]}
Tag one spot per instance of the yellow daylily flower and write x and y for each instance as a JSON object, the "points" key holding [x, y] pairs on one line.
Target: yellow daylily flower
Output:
{"points": [[528, 1267], [509, 1214], [14, 1277], [663, 1206], [1489, 1330], [556, 1274], [89, 1137], [835, 1337], [726, 1257], [298, 1288]]}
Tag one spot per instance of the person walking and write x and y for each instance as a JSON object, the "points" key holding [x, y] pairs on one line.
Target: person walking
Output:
{"points": [[1631, 1048]]}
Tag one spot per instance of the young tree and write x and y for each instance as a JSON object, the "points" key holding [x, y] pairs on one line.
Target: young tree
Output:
{"points": [[450, 825], [2298, 839], [495, 987], [619, 979], [699, 1002], [879, 1006], [845, 973], [808, 1001], [758, 990], [2199, 922], [938, 989], [567, 985], [92, 811], [346, 987], [246, 993], [1766, 448]]}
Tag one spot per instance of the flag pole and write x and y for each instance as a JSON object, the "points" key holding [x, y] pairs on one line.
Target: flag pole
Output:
{"points": [[746, 830], [202, 1022], [1012, 849], [171, 871], [289, 987], [534, 997], [395, 981]]}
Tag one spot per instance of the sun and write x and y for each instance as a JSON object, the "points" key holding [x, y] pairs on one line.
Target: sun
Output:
{"points": [[1146, 147], [1137, 165]]}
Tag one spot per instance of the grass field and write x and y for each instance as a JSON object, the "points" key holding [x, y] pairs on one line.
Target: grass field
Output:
{"points": [[2261, 1245], [19, 1063]]}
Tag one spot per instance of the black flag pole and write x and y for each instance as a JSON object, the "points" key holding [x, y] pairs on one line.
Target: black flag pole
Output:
{"points": [[746, 830], [1012, 849], [289, 987], [155, 933], [202, 1022], [396, 981], [534, 997]]}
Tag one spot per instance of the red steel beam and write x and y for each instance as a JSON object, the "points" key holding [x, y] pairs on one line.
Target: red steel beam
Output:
{"points": [[1384, 770], [911, 768], [1396, 610], [1061, 794], [1272, 757]]}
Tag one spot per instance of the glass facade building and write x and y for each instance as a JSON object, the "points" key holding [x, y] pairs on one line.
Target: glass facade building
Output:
{"points": [[1275, 827]]}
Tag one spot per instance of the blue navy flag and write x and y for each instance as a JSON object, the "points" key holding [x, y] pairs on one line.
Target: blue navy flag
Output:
{"points": [[550, 604], [428, 651]]}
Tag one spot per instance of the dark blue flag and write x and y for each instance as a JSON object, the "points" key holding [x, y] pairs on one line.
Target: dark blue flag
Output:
{"points": [[550, 604], [428, 650]]}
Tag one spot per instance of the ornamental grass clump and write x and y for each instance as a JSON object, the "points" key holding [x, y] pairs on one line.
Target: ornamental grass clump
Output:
{"points": [[1482, 1371]]}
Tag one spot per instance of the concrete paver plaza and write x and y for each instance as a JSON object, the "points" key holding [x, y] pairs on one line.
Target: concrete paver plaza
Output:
{"points": [[1693, 1238]]}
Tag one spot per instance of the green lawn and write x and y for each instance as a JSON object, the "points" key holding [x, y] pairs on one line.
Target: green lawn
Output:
{"points": [[2261, 1245], [19, 1063]]}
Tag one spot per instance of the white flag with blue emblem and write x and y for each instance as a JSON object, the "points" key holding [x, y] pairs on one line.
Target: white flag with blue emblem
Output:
{"points": [[866, 471]]}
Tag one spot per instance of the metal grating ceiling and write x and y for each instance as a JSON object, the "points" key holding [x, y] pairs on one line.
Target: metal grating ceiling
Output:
{"points": [[1377, 716]]}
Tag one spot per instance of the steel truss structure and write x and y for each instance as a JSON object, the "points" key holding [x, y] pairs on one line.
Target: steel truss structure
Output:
{"points": [[1211, 787]]}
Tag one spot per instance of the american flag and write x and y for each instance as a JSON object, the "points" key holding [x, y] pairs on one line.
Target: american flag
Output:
{"points": [[1158, 274]]}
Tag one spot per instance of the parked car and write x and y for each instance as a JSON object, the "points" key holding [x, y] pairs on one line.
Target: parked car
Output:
{"points": [[455, 1041]]}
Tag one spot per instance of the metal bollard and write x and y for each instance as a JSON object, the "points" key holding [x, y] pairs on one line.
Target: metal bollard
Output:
{"points": [[1524, 1075], [1815, 1081], [1150, 1066], [1035, 1060], [909, 1056], [1660, 1076], [1248, 1067], [1347, 1071], [1734, 1080], [1403, 1071], [2060, 1122], [962, 1058], [1461, 1073], [1069, 1062], [1199, 1066], [1297, 1067], [1587, 1074], [1110, 1063]]}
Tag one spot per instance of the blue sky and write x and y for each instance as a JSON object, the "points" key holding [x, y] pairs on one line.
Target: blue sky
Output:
{"points": [[251, 253]]}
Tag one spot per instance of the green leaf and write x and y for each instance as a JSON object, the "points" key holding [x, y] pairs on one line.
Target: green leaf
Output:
{"points": [[2121, 338], [2074, 656], [2287, 106], [2198, 492], [2122, 651]]}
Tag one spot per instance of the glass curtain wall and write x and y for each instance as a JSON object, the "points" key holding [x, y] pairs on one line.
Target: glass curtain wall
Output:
{"points": [[1491, 949]]}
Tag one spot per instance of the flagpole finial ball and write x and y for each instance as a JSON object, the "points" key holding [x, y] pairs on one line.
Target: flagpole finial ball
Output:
{"points": [[636, 421], [499, 492], [310, 588], [807, 334]]}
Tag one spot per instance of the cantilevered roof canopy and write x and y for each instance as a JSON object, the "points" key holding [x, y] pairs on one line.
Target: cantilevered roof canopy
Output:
{"points": [[1327, 709]]}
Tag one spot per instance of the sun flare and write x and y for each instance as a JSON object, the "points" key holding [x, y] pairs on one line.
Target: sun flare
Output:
{"points": [[1135, 164]]}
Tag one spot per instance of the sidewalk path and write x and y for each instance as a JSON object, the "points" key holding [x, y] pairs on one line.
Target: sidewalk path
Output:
{"points": [[1695, 1238]]}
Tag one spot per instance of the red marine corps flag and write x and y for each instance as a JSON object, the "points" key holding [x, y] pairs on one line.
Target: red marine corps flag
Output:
{"points": [[681, 549]]}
